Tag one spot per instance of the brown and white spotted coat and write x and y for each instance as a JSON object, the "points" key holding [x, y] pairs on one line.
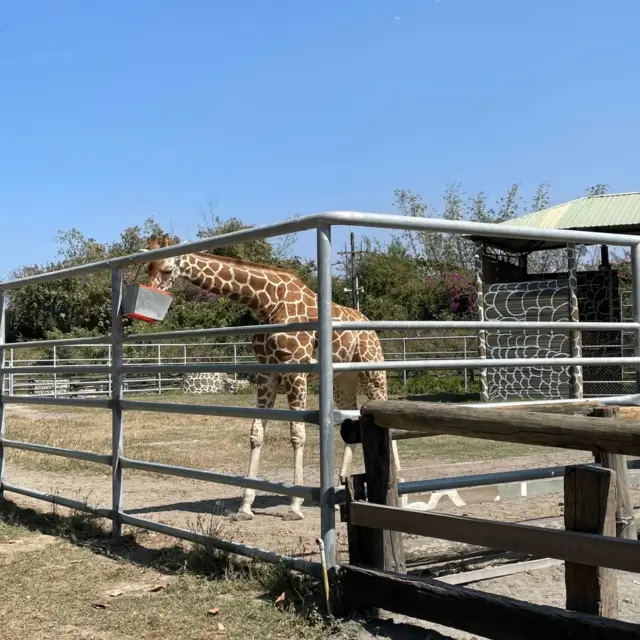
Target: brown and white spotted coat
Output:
{"points": [[280, 296]]}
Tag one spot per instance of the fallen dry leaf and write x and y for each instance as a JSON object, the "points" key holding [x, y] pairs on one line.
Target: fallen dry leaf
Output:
{"points": [[220, 626], [157, 587], [99, 605], [114, 593], [214, 612]]}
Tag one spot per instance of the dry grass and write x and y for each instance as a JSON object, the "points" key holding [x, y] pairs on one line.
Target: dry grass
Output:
{"points": [[79, 584], [206, 442]]}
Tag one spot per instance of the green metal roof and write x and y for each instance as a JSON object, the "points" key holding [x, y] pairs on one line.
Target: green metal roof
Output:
{"points": [[611, 213]]}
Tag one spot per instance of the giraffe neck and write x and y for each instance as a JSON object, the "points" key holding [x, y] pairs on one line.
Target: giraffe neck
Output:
{"points": [[254, 287]]}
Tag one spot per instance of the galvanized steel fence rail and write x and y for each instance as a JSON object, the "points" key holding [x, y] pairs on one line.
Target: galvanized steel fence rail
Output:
{"points": [[401, 348], [325, 417]]}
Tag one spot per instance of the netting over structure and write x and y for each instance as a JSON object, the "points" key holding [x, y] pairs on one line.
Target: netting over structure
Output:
{"points": [[545, 297], [538, 301]]}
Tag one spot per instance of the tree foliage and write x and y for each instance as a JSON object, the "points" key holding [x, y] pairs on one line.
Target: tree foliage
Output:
{"points": [[412, 276], [81, 306]]}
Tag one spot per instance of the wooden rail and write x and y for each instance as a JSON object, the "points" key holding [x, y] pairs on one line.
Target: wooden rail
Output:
{"points": [[604, 435], [570, 546], [496, 617], [351, 433], [588, 545]]}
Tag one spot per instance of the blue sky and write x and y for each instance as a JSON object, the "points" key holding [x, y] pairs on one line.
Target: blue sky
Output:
{"points": [[115, 111]]}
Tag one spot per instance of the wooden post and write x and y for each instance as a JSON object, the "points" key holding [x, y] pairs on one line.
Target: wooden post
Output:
{"points": [[387, 550], [625, 520], [589, 507], [354, 491]]}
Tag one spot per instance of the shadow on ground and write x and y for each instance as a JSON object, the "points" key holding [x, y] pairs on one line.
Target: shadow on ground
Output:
{"points": [[209, 505], [93, 534]]}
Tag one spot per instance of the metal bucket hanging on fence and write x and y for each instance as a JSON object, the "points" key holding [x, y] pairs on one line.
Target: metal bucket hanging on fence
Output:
{"points": [[141, 302]]}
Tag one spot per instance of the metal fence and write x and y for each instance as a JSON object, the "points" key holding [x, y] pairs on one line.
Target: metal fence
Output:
{"points": [[84, 385], [325, 417]]}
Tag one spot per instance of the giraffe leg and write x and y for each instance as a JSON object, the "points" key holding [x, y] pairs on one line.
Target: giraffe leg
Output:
{"points": [[296, 388], [345, 393], [266, 399]]}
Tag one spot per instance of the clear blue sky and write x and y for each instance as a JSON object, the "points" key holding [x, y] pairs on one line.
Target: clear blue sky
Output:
{"points": [[115, 111]]}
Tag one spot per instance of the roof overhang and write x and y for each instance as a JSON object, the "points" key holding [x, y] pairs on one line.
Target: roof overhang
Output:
{"points": [[521, 246]]}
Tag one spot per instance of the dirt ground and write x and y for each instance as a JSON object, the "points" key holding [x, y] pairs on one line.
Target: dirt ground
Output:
{"points": [[222, 444]]}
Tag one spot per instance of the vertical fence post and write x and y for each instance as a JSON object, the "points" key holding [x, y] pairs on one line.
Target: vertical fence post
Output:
{"points": [[11, 376], [404, 357], [325, 359], [575, 337], [625, 519], [116, 396], [635, 301], [482, 334], [55, 375], [235, 359], [2, 369], [385, 549], [109, 360], [160, 374], [466, 371], [589, 507]]}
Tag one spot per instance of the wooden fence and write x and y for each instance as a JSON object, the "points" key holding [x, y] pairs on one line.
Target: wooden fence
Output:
{"points": [[597, 509]]}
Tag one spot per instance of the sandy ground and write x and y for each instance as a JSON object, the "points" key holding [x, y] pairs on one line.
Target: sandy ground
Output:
{"points": [[182, 502]]}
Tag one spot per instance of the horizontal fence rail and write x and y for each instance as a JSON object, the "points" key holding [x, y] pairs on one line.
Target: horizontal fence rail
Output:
{"points": [[117, 370], [570, 546]]}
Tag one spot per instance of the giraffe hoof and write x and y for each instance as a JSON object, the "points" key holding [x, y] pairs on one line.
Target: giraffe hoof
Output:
{"points": [[293, 515], [243, 515]]}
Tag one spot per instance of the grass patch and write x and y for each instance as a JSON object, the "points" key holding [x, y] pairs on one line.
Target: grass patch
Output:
{"points": [[85, 585], [208, 442]]}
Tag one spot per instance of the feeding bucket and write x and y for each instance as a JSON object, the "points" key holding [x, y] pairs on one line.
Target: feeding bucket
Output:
{"points": [[145, 303]]}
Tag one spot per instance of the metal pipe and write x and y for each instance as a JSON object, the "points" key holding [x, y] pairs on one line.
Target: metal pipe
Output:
{"points": [[3, 329], [417, 325], [635, 301], [345, 218], [221, 368], [575, 337], [279, 488], [340, 415], [75, 454], [298, 564], [478, 363], [284, 415], [485, 479], [69, 503], [68, 369], [325, 361], [482, 333], [173, 368], [90, 403], [480, 229], [627, 399], [223, 240], [223, 331], [480, 480], [116, 400], [62, 342]]}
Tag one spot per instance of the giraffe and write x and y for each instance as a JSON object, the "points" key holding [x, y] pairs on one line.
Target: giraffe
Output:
{"points": [[280, 296]]}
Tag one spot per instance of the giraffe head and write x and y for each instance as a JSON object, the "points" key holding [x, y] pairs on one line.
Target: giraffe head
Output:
{"points": [[163, 272]]}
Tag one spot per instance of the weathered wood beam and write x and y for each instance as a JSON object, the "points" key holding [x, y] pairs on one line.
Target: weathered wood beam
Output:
{"points": [[570, 546], [590, 507], [469, 610], [567, 432]]}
